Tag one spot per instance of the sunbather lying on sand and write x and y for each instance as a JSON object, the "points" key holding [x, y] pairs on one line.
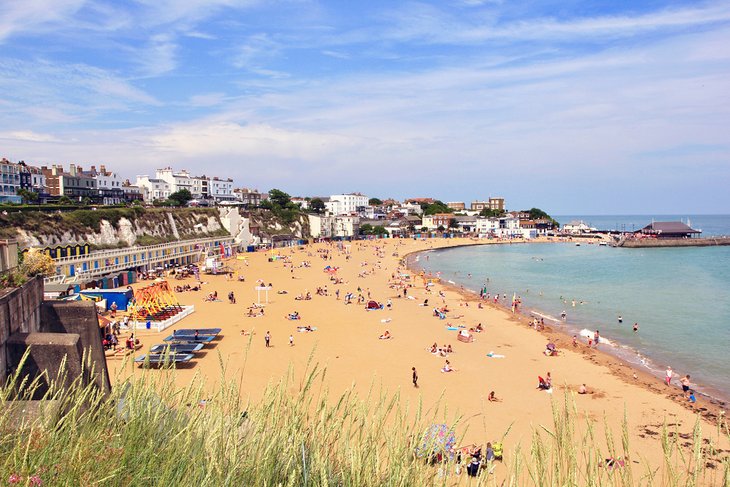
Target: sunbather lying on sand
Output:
{"points": [[385, 336]]}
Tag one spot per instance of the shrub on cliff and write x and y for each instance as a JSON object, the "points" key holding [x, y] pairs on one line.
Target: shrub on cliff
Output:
{"points": [[36, 263]]}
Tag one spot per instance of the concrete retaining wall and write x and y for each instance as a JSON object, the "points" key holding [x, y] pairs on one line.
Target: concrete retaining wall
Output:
{"points": [[19, 313], [674, 242]]}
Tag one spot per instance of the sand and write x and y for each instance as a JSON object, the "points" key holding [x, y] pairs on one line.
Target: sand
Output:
{"points": [[346, 343]]}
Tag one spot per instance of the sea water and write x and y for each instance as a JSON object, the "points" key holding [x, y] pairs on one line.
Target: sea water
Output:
{"points": [[680, 297]]}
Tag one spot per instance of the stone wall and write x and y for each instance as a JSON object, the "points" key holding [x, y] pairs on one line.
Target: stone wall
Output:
{"points": [[19, 313], [675, 242], [51, 329]]}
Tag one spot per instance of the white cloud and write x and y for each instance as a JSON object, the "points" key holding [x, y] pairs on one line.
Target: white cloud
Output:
{"points": [[17, 17], [28, 136], [430, 24]]}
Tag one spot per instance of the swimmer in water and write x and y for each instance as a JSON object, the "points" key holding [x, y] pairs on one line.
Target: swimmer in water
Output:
{"points": [[636, 327], [620, 320]]}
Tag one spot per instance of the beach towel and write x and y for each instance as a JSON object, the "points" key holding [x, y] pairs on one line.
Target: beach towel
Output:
{"points": [[452, 328], [494, 355]]}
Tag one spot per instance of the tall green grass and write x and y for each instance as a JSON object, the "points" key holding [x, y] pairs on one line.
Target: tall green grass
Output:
{"points": [[149, 432]]}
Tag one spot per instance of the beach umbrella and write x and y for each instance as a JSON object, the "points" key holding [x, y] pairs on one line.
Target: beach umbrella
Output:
{"points": [[438, 439]]}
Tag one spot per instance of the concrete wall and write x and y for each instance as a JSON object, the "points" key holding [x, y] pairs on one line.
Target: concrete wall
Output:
{"points": [[78, 317], [675, 242], [8, 255], [19, 313], [24, 314]]}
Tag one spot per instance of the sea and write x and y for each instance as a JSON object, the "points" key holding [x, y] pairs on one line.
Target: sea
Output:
{"points": [[679, 297]]}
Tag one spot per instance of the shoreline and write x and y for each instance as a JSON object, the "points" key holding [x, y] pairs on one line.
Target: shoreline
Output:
{"points": [[345, 343], [717, 403]]}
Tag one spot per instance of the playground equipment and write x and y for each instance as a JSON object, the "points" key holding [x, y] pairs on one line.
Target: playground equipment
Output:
{"points": [[157, 305]]}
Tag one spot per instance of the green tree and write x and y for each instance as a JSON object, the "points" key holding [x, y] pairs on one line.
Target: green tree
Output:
{"points": [[27, 196], [279, 198], [453, 223], [379, 230], [441, 229], [490, 213], [316, 205], [435, 207], [86, 201], [537, 214], [180, 198], [366, 229], [65, 200], [375, 202], [424, 229]]}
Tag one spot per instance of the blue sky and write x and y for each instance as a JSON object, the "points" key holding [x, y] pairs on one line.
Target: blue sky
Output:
{"points": [[572, 106]]}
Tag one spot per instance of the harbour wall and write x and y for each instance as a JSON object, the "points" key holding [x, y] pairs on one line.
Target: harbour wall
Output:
{"points": [[674, 242]]}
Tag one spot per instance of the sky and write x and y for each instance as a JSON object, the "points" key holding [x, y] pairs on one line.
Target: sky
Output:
{"points": [[575, 107]]}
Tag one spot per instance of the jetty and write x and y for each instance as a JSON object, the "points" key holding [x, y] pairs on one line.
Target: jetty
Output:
{"points": [[668, 234]]}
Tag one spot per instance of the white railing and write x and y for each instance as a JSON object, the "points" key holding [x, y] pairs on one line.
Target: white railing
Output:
{"points": [[104, 254]]}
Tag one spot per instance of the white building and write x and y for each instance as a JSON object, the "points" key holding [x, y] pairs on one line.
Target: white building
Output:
{"points": [[346, 204], [330, 226], [221, 189], [9, 182], [108, 185], [502, 227], [176, 180], [577, 227], [199, 187], [153, 189]]}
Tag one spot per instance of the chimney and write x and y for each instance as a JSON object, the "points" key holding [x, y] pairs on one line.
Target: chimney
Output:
{"points": [[72, 169], [93, 169], [103, 169]]}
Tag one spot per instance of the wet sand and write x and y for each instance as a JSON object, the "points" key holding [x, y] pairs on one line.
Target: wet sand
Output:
{"points": [[346, 343]]}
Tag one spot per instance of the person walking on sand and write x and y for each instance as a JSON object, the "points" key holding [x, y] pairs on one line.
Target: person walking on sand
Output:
{"points": [[669, 375], [267, 338], [685, 384], [291, 340], [415, 377]]}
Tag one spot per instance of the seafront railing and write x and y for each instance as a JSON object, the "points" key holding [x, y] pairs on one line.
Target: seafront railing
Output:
{"points": [[108, 261], [112, 253]]}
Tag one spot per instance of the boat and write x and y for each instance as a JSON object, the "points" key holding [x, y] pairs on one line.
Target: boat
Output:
{"points": [[164, 359], [577, 245], [603, 244], [188, 339], [176, 348]]}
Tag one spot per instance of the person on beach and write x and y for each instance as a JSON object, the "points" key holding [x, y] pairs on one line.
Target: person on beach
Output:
{"points": [[492, 397], [596, 338], [447, 367], [582, 389], [692, 399], [668, 375], [267, 338], [575, 340], [415, 377], [685, 384], [291, 340]]}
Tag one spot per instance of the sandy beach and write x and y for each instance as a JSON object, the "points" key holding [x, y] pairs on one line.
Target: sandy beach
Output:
{"points": [[346, 342]]}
